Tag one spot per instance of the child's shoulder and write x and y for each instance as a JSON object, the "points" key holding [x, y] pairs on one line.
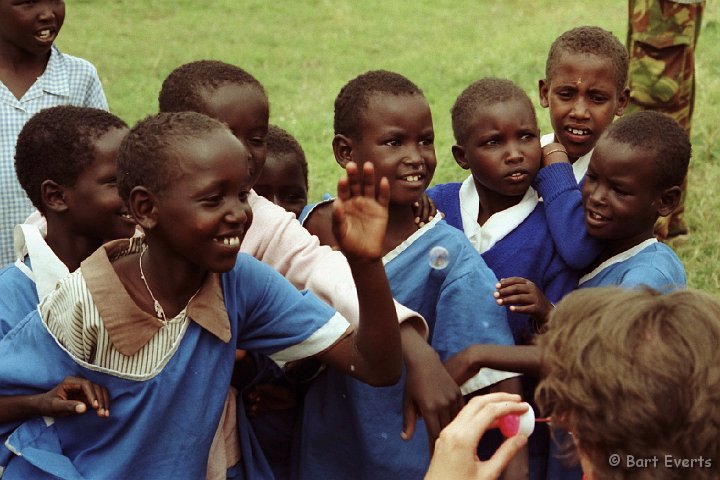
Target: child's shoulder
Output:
{"points": [[444, 191], [76, 64]]}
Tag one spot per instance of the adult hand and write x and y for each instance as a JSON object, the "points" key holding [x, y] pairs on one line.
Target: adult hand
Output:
{"points": [[456, 448]]}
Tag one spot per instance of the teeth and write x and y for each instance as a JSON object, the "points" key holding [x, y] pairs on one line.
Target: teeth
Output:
{"points": [[44, 34], [575, 131], [412, 178], [229, 241]]}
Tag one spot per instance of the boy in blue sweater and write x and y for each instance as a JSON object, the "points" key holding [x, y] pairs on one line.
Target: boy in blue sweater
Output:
{"points": [[584, 90], [634, 177], [497, 139]]}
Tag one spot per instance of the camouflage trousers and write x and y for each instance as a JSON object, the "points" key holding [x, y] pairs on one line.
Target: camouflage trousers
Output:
{"points": [[661, 40]]}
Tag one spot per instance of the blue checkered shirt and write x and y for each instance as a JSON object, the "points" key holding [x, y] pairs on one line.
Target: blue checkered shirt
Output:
{"points": [[66, 80]]}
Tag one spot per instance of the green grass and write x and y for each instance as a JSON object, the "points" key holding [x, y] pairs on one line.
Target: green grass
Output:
{"points": [[304, 51]]}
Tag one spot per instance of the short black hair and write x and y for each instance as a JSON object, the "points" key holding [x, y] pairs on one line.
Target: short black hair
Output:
{"points": [[57, 144], [280, 142], [481, 94], [660, 134], [183, 89], [353, 98], [150, 153], [594, 41]]}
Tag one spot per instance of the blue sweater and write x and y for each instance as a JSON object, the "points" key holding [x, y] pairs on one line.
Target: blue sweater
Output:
{"points": [[528, 252]]}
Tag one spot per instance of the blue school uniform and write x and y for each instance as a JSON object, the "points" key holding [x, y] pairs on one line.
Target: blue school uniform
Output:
{"points": [[650, 263], [352, 430], [161, 423]]}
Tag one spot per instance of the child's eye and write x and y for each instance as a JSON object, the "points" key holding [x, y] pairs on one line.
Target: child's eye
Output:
{"points": [[565, 94], [528, 136], [243, 196], [427, 142], [590, 178], [258, 141], [212, 200], [392, 143]]}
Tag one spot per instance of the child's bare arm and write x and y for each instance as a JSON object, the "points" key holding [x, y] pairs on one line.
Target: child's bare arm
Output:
{"points": [[521, 295], [372, 353], [430, 391], [72, 396], [510, 358]]}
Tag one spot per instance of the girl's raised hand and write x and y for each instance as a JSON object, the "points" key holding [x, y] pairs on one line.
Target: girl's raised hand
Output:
{"points": [[360, 213]]}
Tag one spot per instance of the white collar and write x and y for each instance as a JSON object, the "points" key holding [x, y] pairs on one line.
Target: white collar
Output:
{"points": [[581, 164], [499, 225], [388, 257], [47, 268], [620, 257]]}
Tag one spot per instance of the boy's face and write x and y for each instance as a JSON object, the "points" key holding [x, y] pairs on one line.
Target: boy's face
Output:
{"points": [[95, 208], [283, 183], [398, 139], [245, 110], [203, 215], [503, 149], [31, 26], [620, 199], [583, 99]]}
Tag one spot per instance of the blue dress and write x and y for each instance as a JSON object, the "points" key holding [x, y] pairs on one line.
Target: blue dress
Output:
{"points": [[159, 427], [352, 430]]}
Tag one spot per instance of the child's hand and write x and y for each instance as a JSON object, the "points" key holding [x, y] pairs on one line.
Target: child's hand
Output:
{"points": [[360, 214], [554, 153], [460, 366], [424, 210], [269, 397], [523, 296], [73, 396]]}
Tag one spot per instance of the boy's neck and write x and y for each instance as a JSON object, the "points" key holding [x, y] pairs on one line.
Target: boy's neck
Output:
{"points": [[615, 247], [401, 224], [492, 203], [20, 69], [70, 249]]}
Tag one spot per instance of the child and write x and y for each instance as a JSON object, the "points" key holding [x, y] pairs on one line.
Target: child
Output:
{"points": [[633, 375], [124, 318], [584, 89], [497, 139], [66, 162], [284, 178], [230, 94], [625, 374], [383, 118], [621, 207], [34, 75]]}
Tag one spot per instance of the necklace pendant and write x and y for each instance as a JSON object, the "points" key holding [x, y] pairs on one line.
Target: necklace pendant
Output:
{"points": [[159, 310]]}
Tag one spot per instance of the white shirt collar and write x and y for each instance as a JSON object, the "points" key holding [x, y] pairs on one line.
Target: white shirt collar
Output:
{"points": [[499, 225], [620, 257], [391, 255], [581, 164], [47, 268]]}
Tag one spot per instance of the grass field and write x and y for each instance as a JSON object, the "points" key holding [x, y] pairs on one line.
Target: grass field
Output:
{"points": [[304, 51]]}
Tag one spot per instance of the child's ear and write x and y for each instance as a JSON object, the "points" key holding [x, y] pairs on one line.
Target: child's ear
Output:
{"points": [[459, 155], [52, 195], [622, 102], [669, 200], [342, 147], [143, 207], [543, 89]]}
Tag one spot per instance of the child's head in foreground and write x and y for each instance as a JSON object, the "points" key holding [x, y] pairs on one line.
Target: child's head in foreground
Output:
{"points": [[497, 137], [634, 176], [19, 24], [584, 86], [635, 374], [66, 161], [383, 118], [284, 179], [185, 179], [224, 92]]}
